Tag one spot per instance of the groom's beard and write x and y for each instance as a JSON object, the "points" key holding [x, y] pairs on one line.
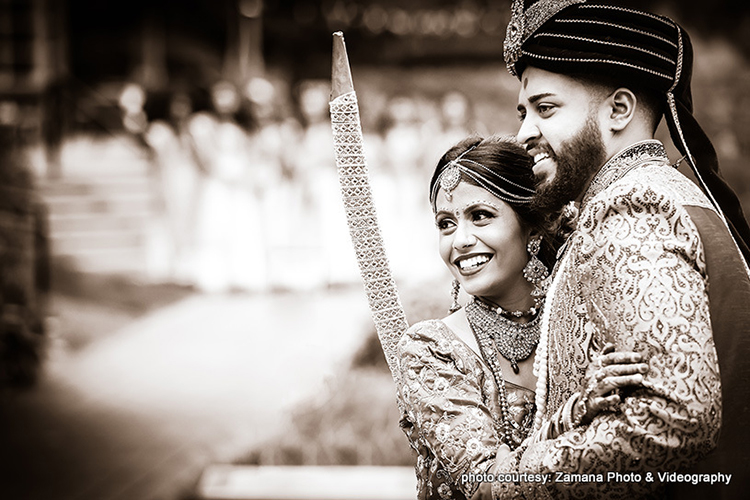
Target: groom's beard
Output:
{"points": [[577, 160]]}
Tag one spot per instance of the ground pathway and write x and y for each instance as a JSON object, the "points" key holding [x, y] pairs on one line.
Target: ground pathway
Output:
{"points": [[138, 414]]}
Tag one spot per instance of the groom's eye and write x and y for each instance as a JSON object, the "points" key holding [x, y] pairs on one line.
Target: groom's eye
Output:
{"points": [[544, 109]]}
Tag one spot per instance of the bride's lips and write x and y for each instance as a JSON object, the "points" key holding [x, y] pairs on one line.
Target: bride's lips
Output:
{"points": [[471, 264]]}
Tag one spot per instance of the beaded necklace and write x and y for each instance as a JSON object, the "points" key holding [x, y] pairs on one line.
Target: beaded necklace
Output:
{"points": [[515, 341], [512, 433]]}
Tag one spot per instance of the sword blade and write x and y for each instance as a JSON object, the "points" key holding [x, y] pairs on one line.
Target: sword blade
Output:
{"points": [[380, 287]]}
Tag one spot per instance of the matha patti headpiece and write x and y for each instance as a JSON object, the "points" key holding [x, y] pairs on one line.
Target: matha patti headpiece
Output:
{"points": [[501, 187]]}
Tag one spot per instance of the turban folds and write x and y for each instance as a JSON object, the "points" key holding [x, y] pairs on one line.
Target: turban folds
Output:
{"points": [[637, 48]]}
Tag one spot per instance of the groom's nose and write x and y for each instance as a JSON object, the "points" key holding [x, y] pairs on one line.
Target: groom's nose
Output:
{"points": [[528, 131]]}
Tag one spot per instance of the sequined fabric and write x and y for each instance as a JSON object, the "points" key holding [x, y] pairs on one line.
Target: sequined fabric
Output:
{"points": [[634, 273], [452, 414]]}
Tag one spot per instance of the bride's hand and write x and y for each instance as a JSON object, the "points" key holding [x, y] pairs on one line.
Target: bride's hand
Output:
{"points": [[484, 492], [615, 370]]}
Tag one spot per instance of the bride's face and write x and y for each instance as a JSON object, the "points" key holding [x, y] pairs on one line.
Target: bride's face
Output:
{"points": [[483, 243]]}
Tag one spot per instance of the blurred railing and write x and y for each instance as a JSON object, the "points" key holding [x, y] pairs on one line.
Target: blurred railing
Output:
{"points": [[229, 482]]}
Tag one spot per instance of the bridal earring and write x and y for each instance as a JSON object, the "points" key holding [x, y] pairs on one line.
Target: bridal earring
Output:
{"points": [[455, 306], [535, 271]]}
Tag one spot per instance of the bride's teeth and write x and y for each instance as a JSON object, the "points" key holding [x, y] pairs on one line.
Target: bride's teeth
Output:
{"points": [[473, 261]]}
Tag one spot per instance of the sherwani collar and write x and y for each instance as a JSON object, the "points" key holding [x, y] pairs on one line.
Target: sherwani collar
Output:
{"points": [[623, 162]]}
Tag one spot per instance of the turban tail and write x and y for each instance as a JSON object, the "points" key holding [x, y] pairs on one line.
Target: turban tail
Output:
{"points": [[640, 49]]}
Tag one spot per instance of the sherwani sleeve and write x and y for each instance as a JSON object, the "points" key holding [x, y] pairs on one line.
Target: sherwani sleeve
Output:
{"points": [[445, 412], [641, 270]]}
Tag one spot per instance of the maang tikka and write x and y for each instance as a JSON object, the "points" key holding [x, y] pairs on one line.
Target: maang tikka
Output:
{"points": [[535, 271], [451, 176]]}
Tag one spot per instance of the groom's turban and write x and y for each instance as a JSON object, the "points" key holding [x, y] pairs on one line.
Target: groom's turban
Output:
{"points": [[638, 49]]}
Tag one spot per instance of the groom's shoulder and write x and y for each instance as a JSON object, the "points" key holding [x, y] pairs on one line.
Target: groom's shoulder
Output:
{"points": [[657, 185]]}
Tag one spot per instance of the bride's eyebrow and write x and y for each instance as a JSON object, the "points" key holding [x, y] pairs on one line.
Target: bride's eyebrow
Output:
{"points": [[468, 206], [477, 203]]}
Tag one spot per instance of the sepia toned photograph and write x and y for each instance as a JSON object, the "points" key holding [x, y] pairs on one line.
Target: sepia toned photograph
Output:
{"points": [[374, 249]]}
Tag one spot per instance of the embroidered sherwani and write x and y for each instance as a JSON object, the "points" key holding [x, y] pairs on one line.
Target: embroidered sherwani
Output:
{"points": [[651, 268]]}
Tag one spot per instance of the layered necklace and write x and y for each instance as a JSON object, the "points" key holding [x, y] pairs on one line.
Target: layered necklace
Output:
{"points": [[515, 342]]}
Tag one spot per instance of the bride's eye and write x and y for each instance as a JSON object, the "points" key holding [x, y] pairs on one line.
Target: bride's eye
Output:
{"points": [[444, 223], [481, 215]]}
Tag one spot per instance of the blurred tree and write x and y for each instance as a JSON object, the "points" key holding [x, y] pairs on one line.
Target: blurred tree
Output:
{"points": [[24, 267]]}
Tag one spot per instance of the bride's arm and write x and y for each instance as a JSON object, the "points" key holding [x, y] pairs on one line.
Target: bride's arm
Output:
{"points": [[443, 395], [616, 370]]}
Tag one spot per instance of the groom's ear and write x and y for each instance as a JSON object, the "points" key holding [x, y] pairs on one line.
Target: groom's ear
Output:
{"points": [[621, 106]]}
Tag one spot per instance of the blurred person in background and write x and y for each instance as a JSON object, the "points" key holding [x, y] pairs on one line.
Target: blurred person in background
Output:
{"points": [[178, 177], [132, 103], [326, 257], [278, 186], [229, 241], [405, 162], [457, 118], [654, 265], [467, 385]]}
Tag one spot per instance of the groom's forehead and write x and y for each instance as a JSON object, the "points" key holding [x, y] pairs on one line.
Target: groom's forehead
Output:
{"points": [[537, 82]]}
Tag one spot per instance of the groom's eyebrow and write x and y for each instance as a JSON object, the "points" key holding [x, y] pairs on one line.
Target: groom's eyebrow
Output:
{"points": [[533, 99], [537, 97]]}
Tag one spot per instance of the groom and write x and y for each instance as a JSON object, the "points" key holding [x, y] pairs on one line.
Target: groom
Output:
{"points": [[656, 265]]}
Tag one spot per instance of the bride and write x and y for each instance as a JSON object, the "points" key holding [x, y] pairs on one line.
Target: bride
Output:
{"points": [[467, 380]]}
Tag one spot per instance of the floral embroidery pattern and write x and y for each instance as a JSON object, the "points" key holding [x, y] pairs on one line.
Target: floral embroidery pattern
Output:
{"points": [[452, 413]]}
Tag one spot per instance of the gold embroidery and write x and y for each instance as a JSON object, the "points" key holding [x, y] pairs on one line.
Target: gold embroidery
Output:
{"points": [[634, 274]]}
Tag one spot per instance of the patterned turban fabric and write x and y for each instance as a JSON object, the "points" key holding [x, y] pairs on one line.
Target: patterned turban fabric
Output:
{"points": [[640, 49]]}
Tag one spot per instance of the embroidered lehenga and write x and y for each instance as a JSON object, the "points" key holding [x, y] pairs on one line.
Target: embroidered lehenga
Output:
{"points": [[452, 410]]}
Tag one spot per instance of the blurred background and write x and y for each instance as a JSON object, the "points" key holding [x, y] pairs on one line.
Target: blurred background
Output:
{"points": [[178, 287]]}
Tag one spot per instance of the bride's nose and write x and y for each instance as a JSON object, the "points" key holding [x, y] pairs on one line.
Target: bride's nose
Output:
{"points": [[464, 236]]}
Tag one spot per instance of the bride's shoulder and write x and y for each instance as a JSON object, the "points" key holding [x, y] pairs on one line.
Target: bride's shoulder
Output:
{"points": [[453, 330], [456, 321], [424, 330], [438, 328]]}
